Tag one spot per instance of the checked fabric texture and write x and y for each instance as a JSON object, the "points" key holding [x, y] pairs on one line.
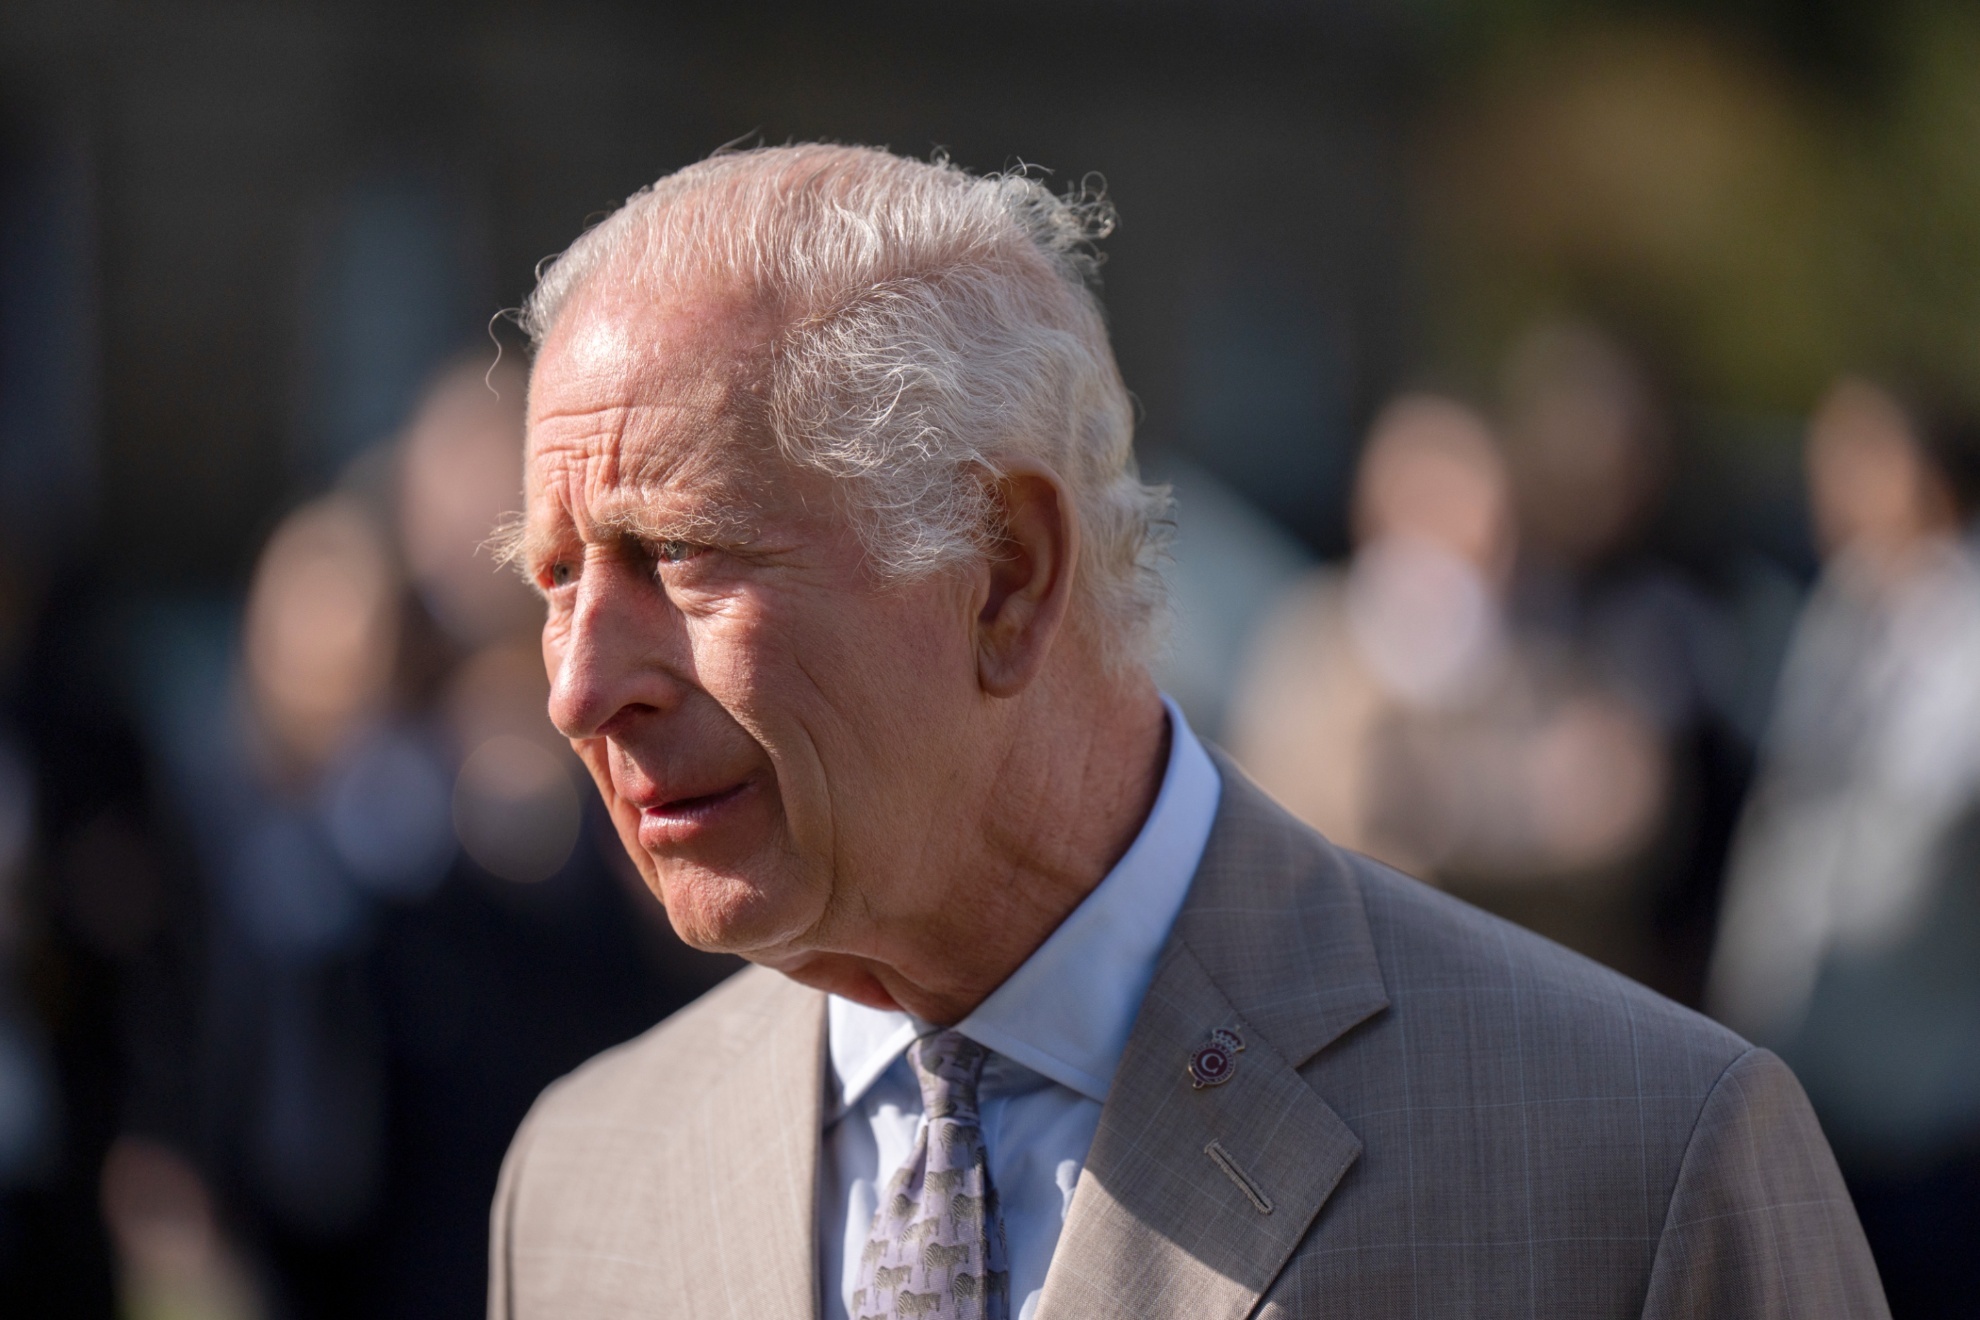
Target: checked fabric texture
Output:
{"points": [[938, 1238]]}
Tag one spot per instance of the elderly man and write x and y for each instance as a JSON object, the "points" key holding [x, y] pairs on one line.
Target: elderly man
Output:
{"points": [[850, 581]]}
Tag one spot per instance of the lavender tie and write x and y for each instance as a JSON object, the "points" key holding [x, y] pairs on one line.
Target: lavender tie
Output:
{"points": [[938, 1238]]}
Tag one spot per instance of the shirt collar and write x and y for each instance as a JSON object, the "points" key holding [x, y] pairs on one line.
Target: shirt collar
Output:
{"points": [[1066, 1012]]}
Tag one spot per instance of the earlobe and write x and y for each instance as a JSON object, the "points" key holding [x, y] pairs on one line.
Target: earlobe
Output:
{"points": [[1029, 571]]}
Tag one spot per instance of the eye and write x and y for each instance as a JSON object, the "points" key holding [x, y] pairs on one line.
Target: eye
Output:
{"points": [[561, 574], [676, 551]]}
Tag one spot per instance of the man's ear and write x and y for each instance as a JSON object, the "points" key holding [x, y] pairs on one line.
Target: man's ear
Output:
{"points": [[1029, 579]]}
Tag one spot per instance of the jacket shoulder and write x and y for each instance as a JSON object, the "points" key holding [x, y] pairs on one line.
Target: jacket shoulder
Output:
{"points": [[679, 1057], [625, 1173], [1443, 958], [1537, 1132], [1279, 905]]}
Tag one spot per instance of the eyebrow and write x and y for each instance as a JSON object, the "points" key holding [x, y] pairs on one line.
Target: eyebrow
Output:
{"points": [[731, 522]]}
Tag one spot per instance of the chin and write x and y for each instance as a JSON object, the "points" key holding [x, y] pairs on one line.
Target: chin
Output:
{"points": [[731, 912]]}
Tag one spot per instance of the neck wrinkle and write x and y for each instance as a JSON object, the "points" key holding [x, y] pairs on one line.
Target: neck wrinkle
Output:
{"points": [[1068, 816]]}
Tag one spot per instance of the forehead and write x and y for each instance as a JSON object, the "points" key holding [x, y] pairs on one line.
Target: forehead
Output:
{"points": [[641, 393]]}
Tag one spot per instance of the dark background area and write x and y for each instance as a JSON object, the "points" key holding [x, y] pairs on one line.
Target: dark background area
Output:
{"points": [[259, 195], [243, 210]]}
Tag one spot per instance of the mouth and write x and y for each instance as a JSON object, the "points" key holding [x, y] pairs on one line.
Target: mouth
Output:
{"points": [[679, 820]]}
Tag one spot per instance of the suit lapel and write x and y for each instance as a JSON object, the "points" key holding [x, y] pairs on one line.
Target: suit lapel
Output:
{"points": [[751, 1238], [1193, 1199]]}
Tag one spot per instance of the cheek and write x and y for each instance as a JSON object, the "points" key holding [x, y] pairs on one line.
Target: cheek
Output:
{"points": [[846, 693], [833, 662], [890, 680], [916, 652]]}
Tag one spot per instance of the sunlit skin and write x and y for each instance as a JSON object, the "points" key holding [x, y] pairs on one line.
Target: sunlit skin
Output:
{"points": [[893, 791]]}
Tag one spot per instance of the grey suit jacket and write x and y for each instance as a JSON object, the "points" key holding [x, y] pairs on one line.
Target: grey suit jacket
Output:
{"points": [[1437, 1114]]}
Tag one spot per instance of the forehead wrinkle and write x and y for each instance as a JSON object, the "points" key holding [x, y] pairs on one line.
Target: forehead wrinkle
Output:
{"points": [[640, 444], [696, 346], [652, 422], [700, 445]]}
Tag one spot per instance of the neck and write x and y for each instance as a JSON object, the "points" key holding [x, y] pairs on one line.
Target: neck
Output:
{"points": [[1079, 773]]}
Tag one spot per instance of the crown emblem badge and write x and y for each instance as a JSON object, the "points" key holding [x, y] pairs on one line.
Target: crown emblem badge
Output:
{"points": [[1212, 1064]]}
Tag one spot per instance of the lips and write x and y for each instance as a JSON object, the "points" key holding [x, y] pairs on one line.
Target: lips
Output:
{"points": [[674, 821], [694, 804]]}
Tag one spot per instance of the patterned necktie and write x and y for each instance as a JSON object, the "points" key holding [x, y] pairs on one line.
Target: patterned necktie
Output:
{"points": [[938, 1237]]}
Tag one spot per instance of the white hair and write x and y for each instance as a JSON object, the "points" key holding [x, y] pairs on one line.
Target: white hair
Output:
{"points": [[934, 328]]}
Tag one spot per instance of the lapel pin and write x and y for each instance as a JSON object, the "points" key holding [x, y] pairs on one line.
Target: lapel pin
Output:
{"points": [[1213, 1064]]}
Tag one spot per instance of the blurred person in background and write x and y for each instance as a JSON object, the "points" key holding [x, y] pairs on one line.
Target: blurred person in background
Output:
{"points": [[1850, 940], [99, 913], [1396, 707], [410, 930], [312, 799], [1590, 451]]}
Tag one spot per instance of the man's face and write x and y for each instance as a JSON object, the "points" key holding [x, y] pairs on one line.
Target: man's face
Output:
{"points": [[773, 731]]}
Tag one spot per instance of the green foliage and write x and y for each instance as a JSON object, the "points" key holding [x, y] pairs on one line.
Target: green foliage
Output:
{"points": [[1764, 228]]}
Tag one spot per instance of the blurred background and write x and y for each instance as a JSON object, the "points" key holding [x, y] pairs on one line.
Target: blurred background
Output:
{"points": [[1568, 403]]}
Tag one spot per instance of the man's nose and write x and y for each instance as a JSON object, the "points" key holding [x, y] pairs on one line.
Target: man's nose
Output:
{"points": [[610, 659]]}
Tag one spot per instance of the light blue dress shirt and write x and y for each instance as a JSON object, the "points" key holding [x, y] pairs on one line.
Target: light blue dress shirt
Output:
{"points": [[1055, 1030]]}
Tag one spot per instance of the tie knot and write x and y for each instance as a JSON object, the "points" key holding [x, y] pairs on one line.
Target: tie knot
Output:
{"points": [[948, 1065]]}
